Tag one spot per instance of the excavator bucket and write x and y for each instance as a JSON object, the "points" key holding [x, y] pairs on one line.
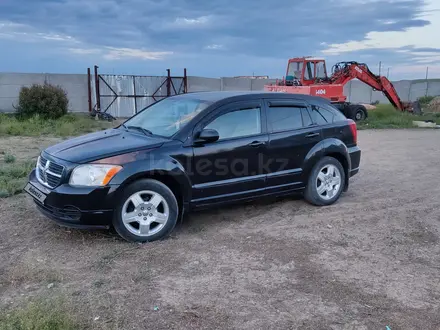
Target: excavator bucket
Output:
{"points": [[413, 107]]}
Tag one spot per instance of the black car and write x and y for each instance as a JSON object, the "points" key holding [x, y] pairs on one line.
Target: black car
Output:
{"points": [[194, 151]]}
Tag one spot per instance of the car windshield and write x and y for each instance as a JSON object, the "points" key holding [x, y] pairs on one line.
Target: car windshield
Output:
{"points": [[168, 116]]}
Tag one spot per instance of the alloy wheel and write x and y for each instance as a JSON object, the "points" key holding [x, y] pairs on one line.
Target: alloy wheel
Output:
{"points": [[145, 213], [328, 182]]}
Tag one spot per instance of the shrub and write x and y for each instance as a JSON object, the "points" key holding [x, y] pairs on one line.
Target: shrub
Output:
{"points": [[424, 100], [8, 158], [46, 100]]}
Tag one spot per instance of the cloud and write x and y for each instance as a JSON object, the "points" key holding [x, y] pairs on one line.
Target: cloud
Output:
{"points": [[404, 36], [84, 51], [199, 21], [26, 33], [124, 53], [214, 47], [113, 53], [199, 32]]}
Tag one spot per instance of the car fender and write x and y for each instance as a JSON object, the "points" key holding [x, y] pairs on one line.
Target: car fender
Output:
{"points": [[162, 166], [330, 146]]}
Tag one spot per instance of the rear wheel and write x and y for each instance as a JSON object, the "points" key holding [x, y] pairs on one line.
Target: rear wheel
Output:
{"points": [[357, 112], [326, 182], [147, 211]]}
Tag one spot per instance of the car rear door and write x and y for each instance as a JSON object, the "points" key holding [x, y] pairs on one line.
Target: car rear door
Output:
{"points": [[333, 123], [292, 134], [229, 169]]}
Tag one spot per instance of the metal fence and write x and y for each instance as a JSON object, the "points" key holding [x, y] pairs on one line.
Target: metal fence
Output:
{"points": [[125, 95]]}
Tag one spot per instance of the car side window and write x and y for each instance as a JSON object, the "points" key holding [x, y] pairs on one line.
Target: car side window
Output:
{"points": [[338, 115], [320, 117], [327, 114], [307, 120], [237, 123], [283, 118]]}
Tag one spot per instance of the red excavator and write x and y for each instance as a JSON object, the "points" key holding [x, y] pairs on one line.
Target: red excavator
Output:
{"points": [[308, 75]]}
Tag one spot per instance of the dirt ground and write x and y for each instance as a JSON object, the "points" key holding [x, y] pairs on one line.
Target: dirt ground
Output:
{"points": [[371, 260]]}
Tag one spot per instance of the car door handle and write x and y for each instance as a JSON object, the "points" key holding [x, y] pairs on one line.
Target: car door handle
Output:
{"points": [[310, 135], [256, 143]]}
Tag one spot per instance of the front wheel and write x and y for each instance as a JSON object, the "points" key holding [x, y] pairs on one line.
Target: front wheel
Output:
{"points": [[147, 211], [326, 182]]}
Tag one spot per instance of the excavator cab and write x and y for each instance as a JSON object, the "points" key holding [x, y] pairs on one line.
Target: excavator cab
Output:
{"points": [[304, 71]]}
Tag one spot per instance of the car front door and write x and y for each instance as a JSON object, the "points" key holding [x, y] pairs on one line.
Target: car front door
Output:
{"points": [[292, 134], [228, 168]]}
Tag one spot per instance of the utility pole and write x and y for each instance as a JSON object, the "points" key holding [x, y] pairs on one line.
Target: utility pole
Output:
{"points": [[388, 73], [380, 67]]}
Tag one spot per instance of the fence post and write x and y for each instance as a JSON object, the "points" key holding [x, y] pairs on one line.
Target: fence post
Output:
{"points": [[185, 81], [168, 82], [134, 94], [97, 92], [89, 88]]}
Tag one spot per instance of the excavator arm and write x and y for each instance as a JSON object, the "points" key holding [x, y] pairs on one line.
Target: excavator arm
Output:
{"points": [[343, 72]]}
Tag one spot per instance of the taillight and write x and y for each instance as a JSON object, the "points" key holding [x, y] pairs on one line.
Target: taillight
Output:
{"points": [[353, 129]]}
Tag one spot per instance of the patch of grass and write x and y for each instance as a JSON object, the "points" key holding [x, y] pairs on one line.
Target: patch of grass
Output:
{"points": [[9, 158], [13, 177], [39, 315], [385, 116], [68, 125]]}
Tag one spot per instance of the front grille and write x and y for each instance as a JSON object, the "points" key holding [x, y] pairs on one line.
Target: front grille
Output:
{"points": [[49, 173]]}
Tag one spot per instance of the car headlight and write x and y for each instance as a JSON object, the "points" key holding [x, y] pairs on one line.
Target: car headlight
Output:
{"points": [[93, 174]]}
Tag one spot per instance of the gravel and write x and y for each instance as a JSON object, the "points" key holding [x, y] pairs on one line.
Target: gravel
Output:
{"points": [[369, 261]]}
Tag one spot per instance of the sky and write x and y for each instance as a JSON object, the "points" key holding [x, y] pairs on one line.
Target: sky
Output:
{"points": [[218, 38]]}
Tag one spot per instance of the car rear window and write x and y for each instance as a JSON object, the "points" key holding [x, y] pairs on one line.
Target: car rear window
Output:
{"points": [[324, 114], [318, 117], [338, 114]]}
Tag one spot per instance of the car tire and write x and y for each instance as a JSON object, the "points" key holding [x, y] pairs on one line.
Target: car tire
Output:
{"points": [[147, 211], [331, 188]]}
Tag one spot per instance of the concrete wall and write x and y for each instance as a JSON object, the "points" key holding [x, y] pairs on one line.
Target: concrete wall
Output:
{"points": [[76, 88], [200, 84], [74, 84]]}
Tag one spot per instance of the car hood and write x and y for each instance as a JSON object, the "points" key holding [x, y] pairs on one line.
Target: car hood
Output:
{"points": [[98, 145]]}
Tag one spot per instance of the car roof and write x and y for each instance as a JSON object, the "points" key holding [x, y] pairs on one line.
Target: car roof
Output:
{"points": [[243, 95]]}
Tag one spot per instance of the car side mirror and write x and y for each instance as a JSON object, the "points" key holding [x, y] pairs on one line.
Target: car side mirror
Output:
{"points": [[207, 136]]}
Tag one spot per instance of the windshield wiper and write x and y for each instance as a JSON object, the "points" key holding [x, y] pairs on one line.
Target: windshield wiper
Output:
{"points": [[143, 130]]}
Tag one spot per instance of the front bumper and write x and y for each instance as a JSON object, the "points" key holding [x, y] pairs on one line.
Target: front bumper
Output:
{"points": [[355, 159], [85, 207]]}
